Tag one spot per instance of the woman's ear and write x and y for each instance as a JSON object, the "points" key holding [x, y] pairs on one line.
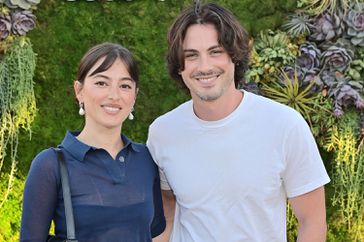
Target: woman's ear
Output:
{"points": [[136, 93], [77, 86]]}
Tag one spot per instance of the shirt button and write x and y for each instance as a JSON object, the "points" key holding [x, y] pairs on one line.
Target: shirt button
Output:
{"points": [[121, 159]]}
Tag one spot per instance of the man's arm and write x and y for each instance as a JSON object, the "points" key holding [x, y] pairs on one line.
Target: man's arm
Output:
{"points": [[169, 206], [310, 212]]}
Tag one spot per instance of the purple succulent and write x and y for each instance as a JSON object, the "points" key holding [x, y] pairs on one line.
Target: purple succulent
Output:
{"points": [[5, 26], [346, 92], [251, 87], [327, 27], [304, 78], [355, 22], [337, 57], [23, 22], [291, 73], [309, 57], [328, 78]]}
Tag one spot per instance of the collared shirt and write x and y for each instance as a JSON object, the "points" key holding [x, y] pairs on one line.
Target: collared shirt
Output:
{"points": [[113, 199]]}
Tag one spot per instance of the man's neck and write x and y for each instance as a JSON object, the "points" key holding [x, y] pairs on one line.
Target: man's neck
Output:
{"points": [[217, 109]]}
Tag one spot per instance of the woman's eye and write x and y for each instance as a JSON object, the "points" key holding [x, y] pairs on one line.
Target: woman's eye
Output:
{"points": [[125, 86], [100, 83]]}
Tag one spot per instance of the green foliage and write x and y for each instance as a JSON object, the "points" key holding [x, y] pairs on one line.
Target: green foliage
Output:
{"points": [[272, 51], [66, 30], [316, 7], [291, 225], [297, 25], [11, 211], [347, 177], [17, 101], [301, 99], [356, 70]]}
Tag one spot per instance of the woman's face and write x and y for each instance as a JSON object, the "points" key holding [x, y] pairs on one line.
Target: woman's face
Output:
{"points": [[108, 96]]}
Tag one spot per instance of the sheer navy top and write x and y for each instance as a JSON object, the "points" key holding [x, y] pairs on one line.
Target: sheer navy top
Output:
{"points": [[113, 199]]}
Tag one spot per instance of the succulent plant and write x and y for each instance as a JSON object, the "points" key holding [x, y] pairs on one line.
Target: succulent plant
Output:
{"points": [[345, 92], [355, 23], [328, 77], [309, 57], [337, 57], [23, 4], [361, 124], [297, 24], [22, 22], [5, 26], [275, 47], [315, 7], [327, 26], [303, 77], [251, 87], [356, 70]]}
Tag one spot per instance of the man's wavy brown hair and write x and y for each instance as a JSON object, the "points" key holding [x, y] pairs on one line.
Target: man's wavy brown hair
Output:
{"points": [[231, 36]]}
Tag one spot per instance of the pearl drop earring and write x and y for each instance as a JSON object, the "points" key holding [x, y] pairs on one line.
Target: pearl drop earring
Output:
{"points": [[131, 116], [81, 111]]}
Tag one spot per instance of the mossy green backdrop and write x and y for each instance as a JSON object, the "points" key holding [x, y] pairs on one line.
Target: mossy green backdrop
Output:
{"points": [[66, 30]]}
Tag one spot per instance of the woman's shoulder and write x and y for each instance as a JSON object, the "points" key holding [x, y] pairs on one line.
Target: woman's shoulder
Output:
{"points": [[46, 160]]}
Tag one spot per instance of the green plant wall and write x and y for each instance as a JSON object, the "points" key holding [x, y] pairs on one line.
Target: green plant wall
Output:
{"points": [[66, 30]]}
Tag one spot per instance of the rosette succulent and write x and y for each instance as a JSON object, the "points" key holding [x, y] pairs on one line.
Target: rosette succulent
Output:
{"points": [[22, 22], [355, 23], [337, 57], [298, 24], [327, 26], [304, 78], [346, 92], [23, 4], [5, 26], [309, 57]]}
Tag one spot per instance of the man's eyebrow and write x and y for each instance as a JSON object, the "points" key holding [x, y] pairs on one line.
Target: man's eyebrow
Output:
{"points": [[190, 50], [214, 47], [210, 48]]}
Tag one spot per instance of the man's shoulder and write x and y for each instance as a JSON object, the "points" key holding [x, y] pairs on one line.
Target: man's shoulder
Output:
{"points": [[175, 115], [273, 111]]}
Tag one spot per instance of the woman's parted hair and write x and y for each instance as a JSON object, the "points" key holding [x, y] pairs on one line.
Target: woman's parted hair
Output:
{"points": [[111, 52], [231, 36]]}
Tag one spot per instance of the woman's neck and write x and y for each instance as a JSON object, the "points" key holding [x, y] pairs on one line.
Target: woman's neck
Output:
{"points": [[107, 139]]}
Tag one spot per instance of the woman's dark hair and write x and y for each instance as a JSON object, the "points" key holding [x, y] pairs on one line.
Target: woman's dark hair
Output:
{"points": [[111, 52], [231, 36]]}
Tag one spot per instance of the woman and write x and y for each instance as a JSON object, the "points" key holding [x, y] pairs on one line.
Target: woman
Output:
{"points": [[114, 182]]}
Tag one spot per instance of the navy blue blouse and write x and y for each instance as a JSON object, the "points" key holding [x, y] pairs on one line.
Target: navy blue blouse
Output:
{"points": [[113, 200]]}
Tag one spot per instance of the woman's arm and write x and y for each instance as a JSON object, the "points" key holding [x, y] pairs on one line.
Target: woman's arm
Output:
{"points": [[39, 197]]}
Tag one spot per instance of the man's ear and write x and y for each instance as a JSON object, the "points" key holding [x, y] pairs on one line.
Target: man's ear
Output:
{"points": [[77, 86]]}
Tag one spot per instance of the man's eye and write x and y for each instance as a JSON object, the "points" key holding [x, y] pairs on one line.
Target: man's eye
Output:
{"points": [[190, 56], [217, 52]]}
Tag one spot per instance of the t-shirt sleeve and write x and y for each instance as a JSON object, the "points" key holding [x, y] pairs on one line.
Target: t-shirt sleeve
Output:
{"points": [[39, 197], [159, 221], [304, 170], [153, 149]]}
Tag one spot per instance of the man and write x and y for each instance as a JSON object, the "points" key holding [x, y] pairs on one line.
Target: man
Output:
{"points": [[229, 159]]}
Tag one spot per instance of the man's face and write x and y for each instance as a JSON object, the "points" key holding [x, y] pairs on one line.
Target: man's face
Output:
{"points": [[209, 70]]}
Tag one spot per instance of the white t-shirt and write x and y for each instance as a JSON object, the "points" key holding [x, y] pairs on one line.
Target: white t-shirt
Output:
{"points": [[232, 177]]}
